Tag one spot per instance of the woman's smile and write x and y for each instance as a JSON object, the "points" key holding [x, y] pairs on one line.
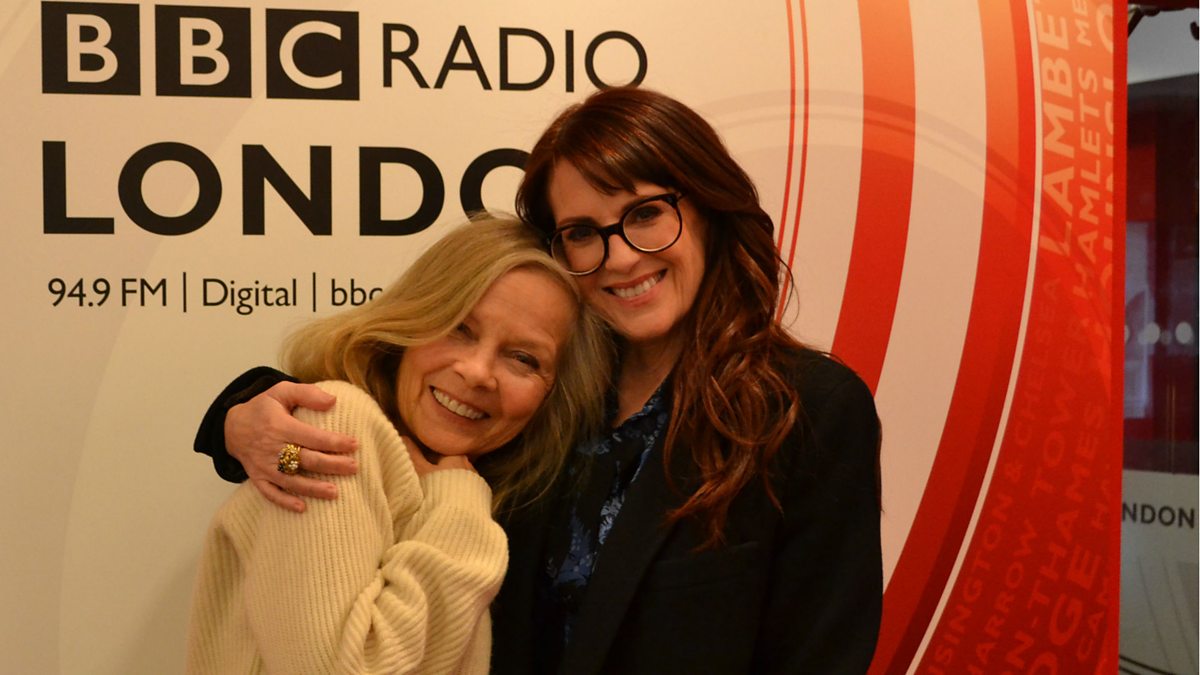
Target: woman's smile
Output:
{"points": [[456, 406], [638, 287]]}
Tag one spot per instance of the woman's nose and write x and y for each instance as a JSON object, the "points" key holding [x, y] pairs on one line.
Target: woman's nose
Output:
{"points": [[477, 367], [621, 256]]}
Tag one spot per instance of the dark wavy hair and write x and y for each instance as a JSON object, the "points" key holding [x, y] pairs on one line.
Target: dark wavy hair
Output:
{"points": [[732, 405]]}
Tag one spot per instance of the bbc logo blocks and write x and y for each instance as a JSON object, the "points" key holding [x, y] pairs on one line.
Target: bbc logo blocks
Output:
{"points": [[94, 48]]}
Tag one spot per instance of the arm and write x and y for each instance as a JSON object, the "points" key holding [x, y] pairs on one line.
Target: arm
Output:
{"points": [[210, 437], [250, 421], [394, 576], [825, 597]]}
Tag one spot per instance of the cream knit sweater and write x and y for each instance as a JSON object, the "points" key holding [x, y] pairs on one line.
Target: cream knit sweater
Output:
{"points": [[394, 576]]}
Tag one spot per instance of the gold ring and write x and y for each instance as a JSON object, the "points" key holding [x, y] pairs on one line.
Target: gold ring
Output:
{"points": [[289, 459]]}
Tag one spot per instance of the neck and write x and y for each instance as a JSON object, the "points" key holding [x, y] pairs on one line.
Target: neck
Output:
{"points": [[644, 367]]}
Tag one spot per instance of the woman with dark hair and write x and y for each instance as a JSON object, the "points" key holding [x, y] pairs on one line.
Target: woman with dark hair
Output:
{"points": [[728, 520]]}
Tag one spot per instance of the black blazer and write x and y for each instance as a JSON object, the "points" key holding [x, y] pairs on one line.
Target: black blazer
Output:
{"points": [[797, 591]]}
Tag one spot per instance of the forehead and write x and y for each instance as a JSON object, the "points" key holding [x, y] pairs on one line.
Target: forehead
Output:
{"points": [[527, 305], [571, 194]]}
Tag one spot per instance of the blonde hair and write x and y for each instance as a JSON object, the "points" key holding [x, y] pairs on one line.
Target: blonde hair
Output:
{"points": [[364, 346]]}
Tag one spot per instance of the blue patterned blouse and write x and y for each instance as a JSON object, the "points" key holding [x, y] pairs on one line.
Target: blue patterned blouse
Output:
{"points": [[608, 465]]}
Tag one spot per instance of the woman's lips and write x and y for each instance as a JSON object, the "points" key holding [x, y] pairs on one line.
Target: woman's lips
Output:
{"points": [[456, 406], [637, 288]]}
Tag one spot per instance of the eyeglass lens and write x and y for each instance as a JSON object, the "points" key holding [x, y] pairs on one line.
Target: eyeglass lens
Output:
{"points": [[650, 226]]}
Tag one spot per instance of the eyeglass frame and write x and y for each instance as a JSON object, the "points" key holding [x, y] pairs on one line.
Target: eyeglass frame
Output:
{"points": [[618, 228]]}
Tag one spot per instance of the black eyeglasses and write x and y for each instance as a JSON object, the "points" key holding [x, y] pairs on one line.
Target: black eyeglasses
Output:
{"points": [[650, 225]]}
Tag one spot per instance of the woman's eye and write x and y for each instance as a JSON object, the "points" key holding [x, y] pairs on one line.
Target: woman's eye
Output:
{"points": [[645, 213], [528, 360], [579, 235], [463, 330]]}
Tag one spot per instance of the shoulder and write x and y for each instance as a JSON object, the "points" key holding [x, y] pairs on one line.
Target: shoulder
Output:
{"points": [[354, 412], [825, 384], [382, 453], [348, 393], [837, 435], [357, 414]]}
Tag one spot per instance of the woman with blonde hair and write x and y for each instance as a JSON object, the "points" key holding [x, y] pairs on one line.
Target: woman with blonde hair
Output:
{"points": [[481, 356]]}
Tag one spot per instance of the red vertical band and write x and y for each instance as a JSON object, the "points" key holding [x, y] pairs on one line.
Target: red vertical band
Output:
{"points": [[989, 347], [885, 188], [791, 259], [791, 143], [1109, 653], [786, 287]]}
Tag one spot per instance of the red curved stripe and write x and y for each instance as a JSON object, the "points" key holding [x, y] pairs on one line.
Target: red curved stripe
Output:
{"points": [[785, 287], [969, 435], [885, 188], [803, 143]]}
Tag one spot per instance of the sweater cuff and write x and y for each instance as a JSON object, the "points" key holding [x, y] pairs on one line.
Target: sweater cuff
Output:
{"points": [[461, 487]]}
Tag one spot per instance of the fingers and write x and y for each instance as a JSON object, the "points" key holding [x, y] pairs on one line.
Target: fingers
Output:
{"points": [[286, 490], [420, 463], [313, 438], [319, 462], [423, 465], [288, 396], [454, 462], [304, 486], [294, 395], [278, 497]]}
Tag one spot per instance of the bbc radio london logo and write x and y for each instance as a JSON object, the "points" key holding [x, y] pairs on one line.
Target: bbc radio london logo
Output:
{"points": [[95, 48]]}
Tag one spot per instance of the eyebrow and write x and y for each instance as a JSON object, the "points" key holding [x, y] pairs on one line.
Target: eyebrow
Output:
{"points": [[588, 220]]}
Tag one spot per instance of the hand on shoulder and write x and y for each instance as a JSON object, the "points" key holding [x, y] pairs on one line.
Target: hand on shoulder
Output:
{"points": [[257, 431]]}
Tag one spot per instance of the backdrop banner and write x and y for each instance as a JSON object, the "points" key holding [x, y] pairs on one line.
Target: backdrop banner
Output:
{"points": [[184, 184]]}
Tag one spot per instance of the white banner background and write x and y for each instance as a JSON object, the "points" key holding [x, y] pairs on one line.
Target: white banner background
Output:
{"points": [[106, 505]]}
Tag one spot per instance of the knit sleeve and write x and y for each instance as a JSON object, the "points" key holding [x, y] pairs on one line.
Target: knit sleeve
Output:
{"points": [[389, 577]]}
